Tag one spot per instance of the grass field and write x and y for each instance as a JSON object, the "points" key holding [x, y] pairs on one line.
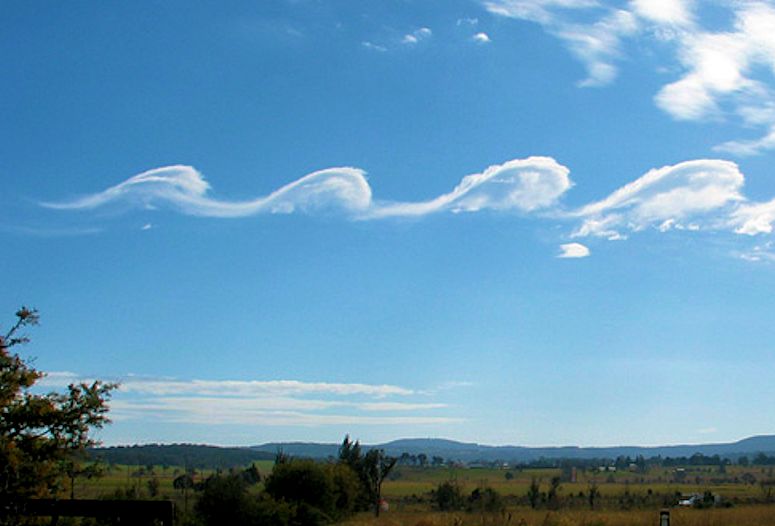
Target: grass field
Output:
{"points": [[408, 492]]}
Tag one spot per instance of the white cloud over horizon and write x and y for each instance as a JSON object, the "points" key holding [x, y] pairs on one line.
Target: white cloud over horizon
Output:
{"points": [[264, 402], [719, 71]]}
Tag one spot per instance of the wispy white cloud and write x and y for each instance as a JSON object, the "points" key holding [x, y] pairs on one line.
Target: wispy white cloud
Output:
{"points": [[141, 385], [596, 44], [467, 22], [248, 412], [264, 402], [719, 71], [416, 36], [669, 12], [764, 252], [373, 47], [573, 250]]}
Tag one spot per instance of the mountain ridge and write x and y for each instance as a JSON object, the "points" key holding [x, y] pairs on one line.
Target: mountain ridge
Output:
{"points": [[471, 451]]}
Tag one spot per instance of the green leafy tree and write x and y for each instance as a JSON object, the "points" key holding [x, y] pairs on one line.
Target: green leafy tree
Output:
{"points": [[39, 433], [372, 469]]}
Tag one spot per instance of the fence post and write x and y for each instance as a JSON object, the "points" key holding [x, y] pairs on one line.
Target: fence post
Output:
{"points": [[664, 518]]}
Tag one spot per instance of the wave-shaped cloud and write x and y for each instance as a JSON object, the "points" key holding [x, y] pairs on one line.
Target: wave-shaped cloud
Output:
{"points": [[702, 194], [522, 185], [186, 189], [677, 196]]}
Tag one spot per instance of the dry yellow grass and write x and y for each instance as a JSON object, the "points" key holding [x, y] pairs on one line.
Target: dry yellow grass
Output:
{"points": [[741, 516]]}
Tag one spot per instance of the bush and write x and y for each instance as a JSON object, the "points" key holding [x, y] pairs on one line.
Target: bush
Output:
{"points": [[485, 499], [448, 496], [321, 492]]}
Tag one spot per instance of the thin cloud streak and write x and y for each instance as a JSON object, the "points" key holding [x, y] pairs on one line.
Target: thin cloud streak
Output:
{"points": [[268, 402], [220, 412], [133, 384]]}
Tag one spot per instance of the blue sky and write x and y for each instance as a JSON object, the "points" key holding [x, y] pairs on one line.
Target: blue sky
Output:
{"points": [[534, 222]]}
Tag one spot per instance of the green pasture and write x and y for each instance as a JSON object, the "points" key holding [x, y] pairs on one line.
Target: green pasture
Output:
{"points": [[407, 481]]}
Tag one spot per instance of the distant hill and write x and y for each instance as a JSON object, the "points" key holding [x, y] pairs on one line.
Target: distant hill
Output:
{"points": [[472, 452], [191, 455], [212, 457]]}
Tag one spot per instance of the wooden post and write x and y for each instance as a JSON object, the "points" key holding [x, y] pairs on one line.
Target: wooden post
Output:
{"points": [[664, 518]]}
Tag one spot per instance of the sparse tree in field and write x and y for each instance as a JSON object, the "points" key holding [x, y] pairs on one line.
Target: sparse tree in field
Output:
{"points": [[372, 469], [39, 433], [552, 495], [76, 467], [534, 492], [184, 483], [593, 493], [422, 458], [376, 466], [153, 485]]}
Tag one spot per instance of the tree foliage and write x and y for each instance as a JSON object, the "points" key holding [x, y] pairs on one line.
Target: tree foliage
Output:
{"points": [[320, 492], [372, 468], [40, 434]]}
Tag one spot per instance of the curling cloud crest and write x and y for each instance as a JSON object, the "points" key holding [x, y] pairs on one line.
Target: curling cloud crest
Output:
{"points": [[523, 185], [678, 196], [186, 189], [703, 194]]}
